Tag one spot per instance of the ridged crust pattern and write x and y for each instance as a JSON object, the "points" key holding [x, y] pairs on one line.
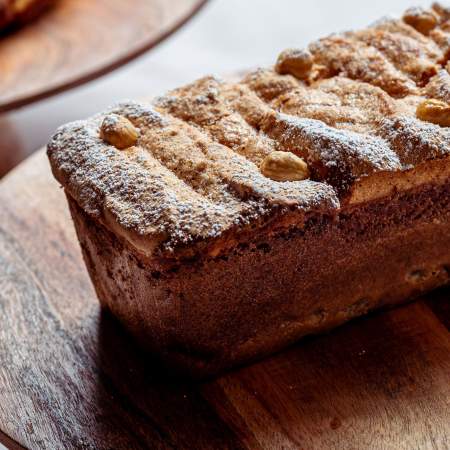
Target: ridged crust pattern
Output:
{"points": [[193, 178]]}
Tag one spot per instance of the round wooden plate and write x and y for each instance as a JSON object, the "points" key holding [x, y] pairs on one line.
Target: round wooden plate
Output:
{"points": [[79, 40], [71, 378]]}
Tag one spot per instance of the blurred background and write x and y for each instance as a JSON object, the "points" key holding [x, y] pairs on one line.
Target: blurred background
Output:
{"points": [[225, 37]]}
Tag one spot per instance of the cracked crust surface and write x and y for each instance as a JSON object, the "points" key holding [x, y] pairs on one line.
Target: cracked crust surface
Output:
{"points": [[192, 183]]}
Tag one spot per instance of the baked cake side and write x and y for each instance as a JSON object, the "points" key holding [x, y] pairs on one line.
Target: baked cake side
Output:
{"points": [[227, 219]]}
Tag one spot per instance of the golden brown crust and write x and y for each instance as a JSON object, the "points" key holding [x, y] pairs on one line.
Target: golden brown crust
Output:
{"points": [[192, 183]]}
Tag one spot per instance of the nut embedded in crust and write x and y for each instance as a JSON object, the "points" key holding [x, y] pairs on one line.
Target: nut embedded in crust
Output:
{"points": [[118, 131], [284, 166], [423, 21], [295, 62], [434, 111]]}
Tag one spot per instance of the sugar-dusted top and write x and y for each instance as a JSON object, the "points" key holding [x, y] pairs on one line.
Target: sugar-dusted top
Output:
{"points": [[190, 179]]}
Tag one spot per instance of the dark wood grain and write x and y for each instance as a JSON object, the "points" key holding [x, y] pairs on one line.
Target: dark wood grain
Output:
{"points": [[70, 377], [11, 149], [8, 443], [79, 40]]}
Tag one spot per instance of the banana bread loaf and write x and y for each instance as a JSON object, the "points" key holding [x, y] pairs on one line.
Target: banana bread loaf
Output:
{"points": [[225, 220]]}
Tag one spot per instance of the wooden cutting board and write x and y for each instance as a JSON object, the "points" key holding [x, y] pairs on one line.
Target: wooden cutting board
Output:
{"points": [[79, 40], [70, 377]]}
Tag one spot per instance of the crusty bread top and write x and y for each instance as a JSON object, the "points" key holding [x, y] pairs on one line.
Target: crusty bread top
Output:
{"points": [[193, 180]]}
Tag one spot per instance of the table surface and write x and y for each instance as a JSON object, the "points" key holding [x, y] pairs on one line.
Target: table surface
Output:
{"points": [[227, 36], [79, 40], [71, 378]]}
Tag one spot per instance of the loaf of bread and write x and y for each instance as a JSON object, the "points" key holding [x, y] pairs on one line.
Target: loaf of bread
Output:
{"points": [[16, 12], [227, 219]]}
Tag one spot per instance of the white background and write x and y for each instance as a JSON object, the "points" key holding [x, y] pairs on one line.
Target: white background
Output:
{"points": [[226, 36]]}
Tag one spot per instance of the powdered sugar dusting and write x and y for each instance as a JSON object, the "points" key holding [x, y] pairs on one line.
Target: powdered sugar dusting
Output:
{"points": [[415, 141], [147, 198], [192, 181], [339, 156]]}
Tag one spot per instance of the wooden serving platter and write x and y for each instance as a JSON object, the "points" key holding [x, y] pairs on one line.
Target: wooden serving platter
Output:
{"points": [[79, 40], [71, 378]]}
